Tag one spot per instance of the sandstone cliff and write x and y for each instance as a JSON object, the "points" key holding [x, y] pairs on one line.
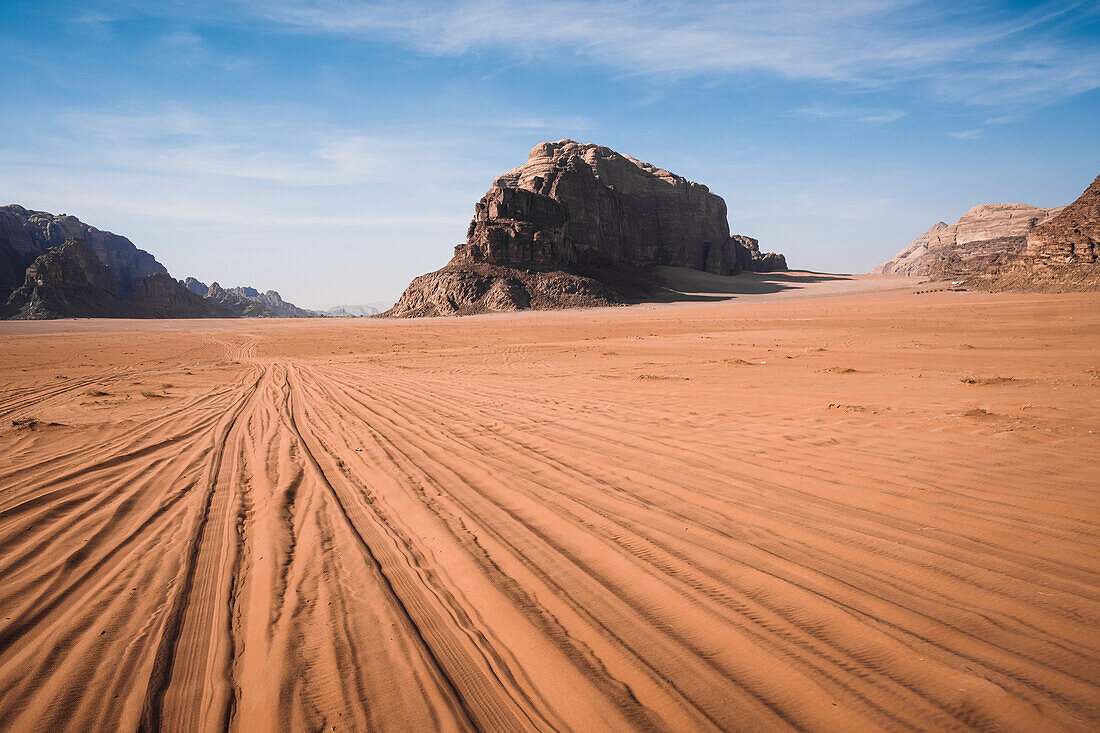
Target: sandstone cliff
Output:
{"points": [[578, 224], [71, 281], [1072, 236], [985, 236]]}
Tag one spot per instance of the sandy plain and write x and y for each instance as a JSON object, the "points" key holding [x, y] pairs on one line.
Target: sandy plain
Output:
{"points": [[828, 505]]}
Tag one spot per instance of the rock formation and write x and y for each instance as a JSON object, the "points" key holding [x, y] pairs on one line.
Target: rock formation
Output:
{"points": [[578, 224], [986, 236], [26, 235], [246, 302], [56, 266], [72, 281], [460, 290], [1072, 236]]}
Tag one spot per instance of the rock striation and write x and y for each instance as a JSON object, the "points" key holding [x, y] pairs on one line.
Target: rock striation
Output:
{"points": [[578, 224], [986, 236], [1073, 235], [247, 302], [71, 281]]}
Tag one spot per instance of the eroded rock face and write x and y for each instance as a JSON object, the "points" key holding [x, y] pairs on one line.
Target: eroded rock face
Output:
{"points": [[1073, 235], [613, 208], [985, 236], [583, 211], [71, 281], [25, 235]]}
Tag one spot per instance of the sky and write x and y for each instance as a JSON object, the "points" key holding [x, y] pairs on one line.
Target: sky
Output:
{"points": [[334, 149]]}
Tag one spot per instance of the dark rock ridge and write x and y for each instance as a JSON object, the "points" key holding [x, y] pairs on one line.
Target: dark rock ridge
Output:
{"points": [[986, 236], [1072, 236], [470, 289], [246, 302], [579, 224], [26, 235], [71, 281], [39, 280]]}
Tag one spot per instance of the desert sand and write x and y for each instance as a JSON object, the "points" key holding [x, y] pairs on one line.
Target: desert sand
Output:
{"points": [[836, 506]]}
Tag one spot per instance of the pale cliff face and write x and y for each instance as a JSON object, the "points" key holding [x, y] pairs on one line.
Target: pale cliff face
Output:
{"points": [[990, 221], [985, 234]]}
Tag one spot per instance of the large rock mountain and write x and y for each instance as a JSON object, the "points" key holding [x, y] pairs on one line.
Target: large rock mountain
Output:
{"points": [[56, 266], [1072, 236], [985, 236], [72, 281], [26, 235], [247, 302], [578, 224]]}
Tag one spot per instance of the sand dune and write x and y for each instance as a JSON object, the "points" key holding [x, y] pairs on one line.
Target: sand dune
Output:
{"points": [[871, 512]]}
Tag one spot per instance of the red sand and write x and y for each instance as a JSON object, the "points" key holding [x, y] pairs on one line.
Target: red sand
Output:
{"points": [[876, 511]]}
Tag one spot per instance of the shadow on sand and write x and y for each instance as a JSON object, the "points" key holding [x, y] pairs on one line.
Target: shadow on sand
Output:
{"points": [[681, 284]]}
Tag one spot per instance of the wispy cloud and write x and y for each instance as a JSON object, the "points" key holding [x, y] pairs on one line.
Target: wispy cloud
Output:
{"points": [[267, 144], [869, 115], [973, 53], [191, 49], [967, 134], [94, 24]]}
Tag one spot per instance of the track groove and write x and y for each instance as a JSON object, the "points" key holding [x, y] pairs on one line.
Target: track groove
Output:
{"points": [[508, 524]]}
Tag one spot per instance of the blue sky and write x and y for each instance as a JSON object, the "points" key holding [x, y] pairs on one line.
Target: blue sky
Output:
{"points": [[334, 149]]}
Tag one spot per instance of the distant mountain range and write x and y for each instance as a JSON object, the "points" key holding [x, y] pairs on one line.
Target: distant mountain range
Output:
{"points": [[56, 266], [246, 302], [354, 311]]}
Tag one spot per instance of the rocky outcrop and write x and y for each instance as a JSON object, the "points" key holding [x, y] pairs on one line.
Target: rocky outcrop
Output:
{"points": [[195, 286], [246, 302], [986, 236], [1072, 236], [25, 235], [71, 281], [461, 290], [750, 258], [578, 224]]}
